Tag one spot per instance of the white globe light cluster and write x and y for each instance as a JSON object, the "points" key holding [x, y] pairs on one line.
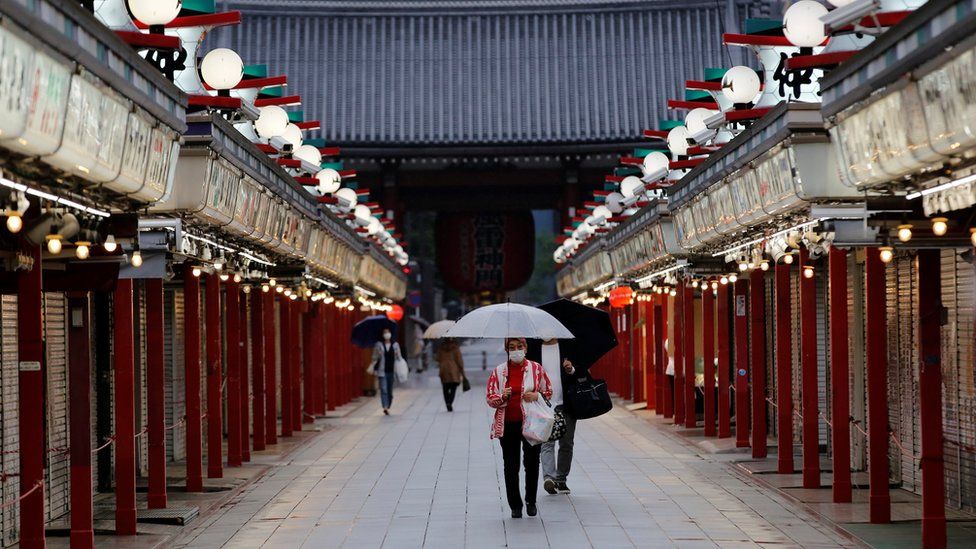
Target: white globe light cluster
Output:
{"points": [[309, 154], [329, 181], [222, 69], [678, 140], [695, 120], [155, 12], [741, 84], [272, 122]]}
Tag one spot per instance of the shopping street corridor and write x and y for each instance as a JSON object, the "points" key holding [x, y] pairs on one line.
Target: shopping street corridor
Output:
{"points": [[424, 477]]}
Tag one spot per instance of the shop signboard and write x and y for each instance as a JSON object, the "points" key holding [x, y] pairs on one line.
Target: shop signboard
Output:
{"points": [[48, 87], [948, 97], [16, 68]]}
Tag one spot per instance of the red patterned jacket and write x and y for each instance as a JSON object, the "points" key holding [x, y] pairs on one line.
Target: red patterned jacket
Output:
{"points": [[534, 379]]}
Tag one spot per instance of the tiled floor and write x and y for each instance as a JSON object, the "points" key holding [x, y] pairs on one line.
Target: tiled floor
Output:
{"points": [[424, 477]]}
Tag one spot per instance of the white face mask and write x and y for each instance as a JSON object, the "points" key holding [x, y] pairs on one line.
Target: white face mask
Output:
{"points": [[517, 356], [387, 336]]}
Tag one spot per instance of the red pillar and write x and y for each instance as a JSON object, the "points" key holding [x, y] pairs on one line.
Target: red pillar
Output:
{"points": [[784, 370], [31, 381], [243, 376], [722, 312], [123, 364], [270, 369], [215, 379], [691, 417], [79, 397], [257, 366], [679, 354], [808, 364], [191, 365], [758, 378], [708, 356], [665, 357], [658, 341], [156, 393], [296, 357], [877, 387], [322, 392], [741, 328], [308, 364], [331, 343], [647, 355], [840, 408], [232, 309], [287, 354], [930, 397]]}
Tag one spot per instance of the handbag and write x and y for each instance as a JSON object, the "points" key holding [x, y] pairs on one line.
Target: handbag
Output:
{"points": [[465, 385], [588, 398], [401, 370], [558, 424]]}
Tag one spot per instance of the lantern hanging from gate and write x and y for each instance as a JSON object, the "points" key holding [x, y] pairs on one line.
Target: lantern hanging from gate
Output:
{"points": [[621, 297], [395, 313], [485, 251]]}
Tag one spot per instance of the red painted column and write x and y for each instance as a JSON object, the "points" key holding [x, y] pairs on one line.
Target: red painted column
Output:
{"points": [[123, 364], [331, 352], [287, 354], [232, 309], [930, 397], [679, 354], [270, 368], [215, 378], [308, 364], [808, 362], [741, 328], [322, 392], [31, 381], [257, 366], [691, 417], [665, 383], [243, 377], [724, 364], [840, 407], [191, 395], [708, 356], [296, 359], [784, 370], [156, 393], [79, 398], [647, 355], [877, 387], [658, 341], [758, 378]]}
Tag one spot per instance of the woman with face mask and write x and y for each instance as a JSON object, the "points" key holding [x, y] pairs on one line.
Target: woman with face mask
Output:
{"points": [[385, 355], [516, 381]]}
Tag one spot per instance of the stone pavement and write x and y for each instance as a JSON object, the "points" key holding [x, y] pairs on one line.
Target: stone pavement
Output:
{"points": [[424, 477]]}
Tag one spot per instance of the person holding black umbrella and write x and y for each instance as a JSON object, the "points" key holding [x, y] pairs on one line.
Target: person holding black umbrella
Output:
{"points": [[561, 373], [383, 362]]}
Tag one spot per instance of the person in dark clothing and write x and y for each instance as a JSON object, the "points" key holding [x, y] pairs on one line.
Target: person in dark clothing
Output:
{"points": [[451, 366], [385, 355]]}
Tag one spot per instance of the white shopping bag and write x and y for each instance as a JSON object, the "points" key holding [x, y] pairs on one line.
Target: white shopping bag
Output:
{"points": [[401, 370], [537, 421]]}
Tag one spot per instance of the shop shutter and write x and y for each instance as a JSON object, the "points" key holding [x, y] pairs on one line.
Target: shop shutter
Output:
{"points": [[959, 389], [141, 376], [57, 474], [903, 414], [857, 357], [9, 420], [770, 342], [796, 356], [173, 348], [823, 353]]}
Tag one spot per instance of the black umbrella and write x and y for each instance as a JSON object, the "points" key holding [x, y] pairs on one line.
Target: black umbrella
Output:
{"points": [[594, 332], [369, 330]]}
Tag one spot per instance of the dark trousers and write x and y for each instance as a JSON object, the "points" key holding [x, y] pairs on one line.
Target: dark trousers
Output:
{"points": [[512, 441], [450, 389]]}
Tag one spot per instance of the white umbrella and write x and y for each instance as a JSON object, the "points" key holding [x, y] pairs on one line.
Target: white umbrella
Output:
{"points": [[438, 329], [509, 320]]}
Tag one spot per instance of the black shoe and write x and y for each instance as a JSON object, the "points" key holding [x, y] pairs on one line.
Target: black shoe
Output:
{"points": [[531, 509], [450, 408], [517, 513], [550, 486], [561, 486], [386, 411]]}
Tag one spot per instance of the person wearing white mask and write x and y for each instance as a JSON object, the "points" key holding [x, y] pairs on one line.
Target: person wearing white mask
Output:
{"points": [[560, 371], [385, 355], [509, 384]]}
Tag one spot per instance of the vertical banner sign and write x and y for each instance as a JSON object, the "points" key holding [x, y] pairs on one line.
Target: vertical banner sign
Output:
{"points": [[479, 252], [740, 305]]}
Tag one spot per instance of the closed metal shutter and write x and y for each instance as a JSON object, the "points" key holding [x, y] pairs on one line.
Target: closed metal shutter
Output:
{"points": [[770, 325], [173, 348], [857, 358], [141, 375], [959, 387], [9, 421], [57, 474], [903, 413], [796, 356], [823, 354]]}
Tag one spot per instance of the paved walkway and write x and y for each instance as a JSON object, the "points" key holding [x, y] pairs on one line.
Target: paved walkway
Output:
{"points": [[424, 477]]}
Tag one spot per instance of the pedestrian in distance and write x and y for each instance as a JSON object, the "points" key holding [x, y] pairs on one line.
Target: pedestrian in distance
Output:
{"points": [[510, 384], [451, 366], [556, 465], [383, 362]]}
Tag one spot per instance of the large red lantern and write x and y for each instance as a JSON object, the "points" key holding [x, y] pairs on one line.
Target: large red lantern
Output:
{"points": [[395, 313], [621, 297], [485, 251]]}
